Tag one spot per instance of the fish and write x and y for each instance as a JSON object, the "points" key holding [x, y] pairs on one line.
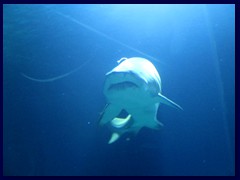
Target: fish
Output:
{"points": [[133, 92]]}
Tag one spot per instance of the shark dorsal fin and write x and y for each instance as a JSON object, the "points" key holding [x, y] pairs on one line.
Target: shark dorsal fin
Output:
{"points": [[121, 60]]}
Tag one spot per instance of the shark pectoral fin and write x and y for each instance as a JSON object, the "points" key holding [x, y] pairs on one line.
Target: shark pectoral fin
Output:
{"points": [[109, 113], [114, 137], [120, 122], [158, 125], [168, 102]]}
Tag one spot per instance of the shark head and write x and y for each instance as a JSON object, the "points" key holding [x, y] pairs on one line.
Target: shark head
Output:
{"points": [[135, 87], [131, 79]]}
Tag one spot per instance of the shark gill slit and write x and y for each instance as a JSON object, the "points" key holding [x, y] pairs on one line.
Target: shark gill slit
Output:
{"points": [[78, 68]]}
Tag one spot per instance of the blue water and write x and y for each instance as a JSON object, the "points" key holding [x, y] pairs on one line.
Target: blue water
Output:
{"points": [[51, 128]]}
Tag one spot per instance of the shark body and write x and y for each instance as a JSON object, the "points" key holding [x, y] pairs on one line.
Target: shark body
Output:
{"points": [[134, 86]]}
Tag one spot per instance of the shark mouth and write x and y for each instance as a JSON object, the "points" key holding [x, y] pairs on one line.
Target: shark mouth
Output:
{"points": [[122, 85]]}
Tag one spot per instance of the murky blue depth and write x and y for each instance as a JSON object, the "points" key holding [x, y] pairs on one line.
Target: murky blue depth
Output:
{"points": [[51, 128]]}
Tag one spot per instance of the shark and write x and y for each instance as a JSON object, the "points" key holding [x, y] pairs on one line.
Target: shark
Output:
{"points": [[133, 92]]}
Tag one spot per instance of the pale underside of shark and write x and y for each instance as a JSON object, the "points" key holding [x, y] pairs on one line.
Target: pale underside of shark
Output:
{"points": [[134, 86]]}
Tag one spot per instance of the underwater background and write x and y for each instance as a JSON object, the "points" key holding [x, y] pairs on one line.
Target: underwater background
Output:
{"points": [[51, 128]]}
